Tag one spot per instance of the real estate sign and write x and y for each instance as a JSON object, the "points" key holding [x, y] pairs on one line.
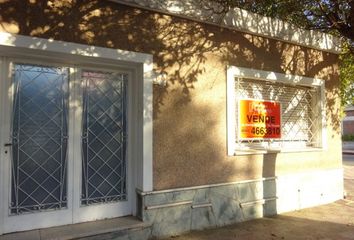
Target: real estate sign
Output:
{"points": [[259, 119]]}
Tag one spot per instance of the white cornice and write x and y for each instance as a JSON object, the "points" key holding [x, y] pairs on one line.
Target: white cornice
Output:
{"points": [[24, 44], [348, 118], [349, 108], [241, 20]]}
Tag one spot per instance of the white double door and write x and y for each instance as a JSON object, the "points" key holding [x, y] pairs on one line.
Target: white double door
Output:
{"points": [[64, 145]]}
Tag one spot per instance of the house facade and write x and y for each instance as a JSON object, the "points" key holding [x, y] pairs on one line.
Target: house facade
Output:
{"points": [[167, 111]]}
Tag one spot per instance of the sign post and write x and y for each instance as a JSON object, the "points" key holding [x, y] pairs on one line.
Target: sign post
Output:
{"points": [[259, 119]]}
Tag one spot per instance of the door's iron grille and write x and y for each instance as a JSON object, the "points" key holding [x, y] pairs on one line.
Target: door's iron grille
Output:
{"points": [[39, 139], [104, 138], [301, 115]]}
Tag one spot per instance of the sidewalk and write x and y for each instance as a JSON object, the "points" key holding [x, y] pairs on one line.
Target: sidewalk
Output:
{"points": [[328, 222]]}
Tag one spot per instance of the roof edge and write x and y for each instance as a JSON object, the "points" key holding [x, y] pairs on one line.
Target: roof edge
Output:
{"points": [[349, 108], [241, 20]]}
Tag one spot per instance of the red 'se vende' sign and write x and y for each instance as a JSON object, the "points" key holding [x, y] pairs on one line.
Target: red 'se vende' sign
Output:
{"points": [[259, 119]]}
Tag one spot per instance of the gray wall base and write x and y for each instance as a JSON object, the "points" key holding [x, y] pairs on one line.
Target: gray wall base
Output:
{"points": [[175, 211]]}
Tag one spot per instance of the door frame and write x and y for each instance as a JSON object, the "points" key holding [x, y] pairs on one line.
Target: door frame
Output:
{"points": [[75, 212], [71, 54]]}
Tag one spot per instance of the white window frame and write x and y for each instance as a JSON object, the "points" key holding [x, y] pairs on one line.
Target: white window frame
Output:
{"points": [[139, 64], [240, 72]]}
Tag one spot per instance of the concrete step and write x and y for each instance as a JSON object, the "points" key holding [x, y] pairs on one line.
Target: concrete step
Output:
{"points": [[123, 228]]}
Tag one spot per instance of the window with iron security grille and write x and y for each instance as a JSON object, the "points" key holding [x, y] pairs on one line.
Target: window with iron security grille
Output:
{"points": [[300, 113]]}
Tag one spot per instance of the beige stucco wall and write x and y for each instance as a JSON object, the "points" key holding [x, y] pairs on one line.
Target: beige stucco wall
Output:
{"points": [[190, 135]]}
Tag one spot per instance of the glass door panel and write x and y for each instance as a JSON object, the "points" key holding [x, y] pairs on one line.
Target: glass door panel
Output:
{"points": [[103, 138], [39, 139]]}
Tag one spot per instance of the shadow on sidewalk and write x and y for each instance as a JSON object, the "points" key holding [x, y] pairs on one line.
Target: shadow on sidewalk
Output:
{"points": [[333, 221]]}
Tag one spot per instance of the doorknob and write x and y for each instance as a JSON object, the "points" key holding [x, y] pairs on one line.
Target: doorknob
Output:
{"points": [[7, 145]]}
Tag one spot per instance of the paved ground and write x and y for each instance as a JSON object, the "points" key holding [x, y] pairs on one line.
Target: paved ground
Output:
{"points": [[329, 222]]}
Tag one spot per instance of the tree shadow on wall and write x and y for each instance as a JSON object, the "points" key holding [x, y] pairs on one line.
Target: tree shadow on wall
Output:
{"points": [[193, 55], [180, 47]]}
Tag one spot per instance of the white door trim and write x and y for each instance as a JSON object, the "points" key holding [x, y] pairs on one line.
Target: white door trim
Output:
{"points": [[141, 66], [3, 207]]}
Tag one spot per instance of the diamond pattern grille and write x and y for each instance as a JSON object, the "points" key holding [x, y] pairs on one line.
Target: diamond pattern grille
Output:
{"points": [[301, 115], [39, 139], [104, 138]]}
